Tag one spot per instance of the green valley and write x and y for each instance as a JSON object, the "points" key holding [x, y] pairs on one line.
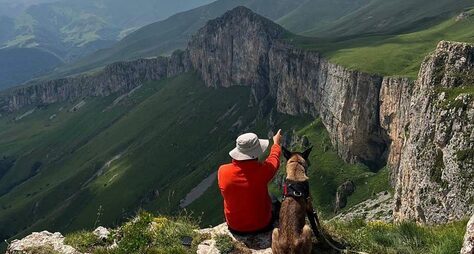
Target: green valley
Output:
{"points": [[148, 149]]}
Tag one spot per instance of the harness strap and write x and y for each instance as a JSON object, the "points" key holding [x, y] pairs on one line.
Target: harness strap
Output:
{"points": [[296, 189]]}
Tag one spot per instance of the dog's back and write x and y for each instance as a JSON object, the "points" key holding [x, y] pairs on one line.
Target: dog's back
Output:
{"points": [[293, 236]]}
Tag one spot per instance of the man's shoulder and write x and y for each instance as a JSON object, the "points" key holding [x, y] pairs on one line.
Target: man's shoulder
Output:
{"points": [[226, 166]]}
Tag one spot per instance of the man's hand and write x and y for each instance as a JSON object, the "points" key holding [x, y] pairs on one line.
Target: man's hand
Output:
{"points": [[277, 137]]}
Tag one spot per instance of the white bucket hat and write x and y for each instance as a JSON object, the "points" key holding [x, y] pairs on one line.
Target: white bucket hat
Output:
{"points": [[248, 147]]}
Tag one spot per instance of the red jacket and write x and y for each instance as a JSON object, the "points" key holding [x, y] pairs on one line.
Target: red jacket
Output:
{"points": [[244, 187]]}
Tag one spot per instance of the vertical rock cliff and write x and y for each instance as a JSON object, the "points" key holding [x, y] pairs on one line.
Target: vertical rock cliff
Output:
{"points": [[436, 170], [242, 48], [233, 50], [395, 95]]}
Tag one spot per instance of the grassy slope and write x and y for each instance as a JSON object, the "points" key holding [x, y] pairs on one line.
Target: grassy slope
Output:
{"points": [[391, 17], [407, 237], [162, 138], [163, 134], [391, 54], [318, 14]]}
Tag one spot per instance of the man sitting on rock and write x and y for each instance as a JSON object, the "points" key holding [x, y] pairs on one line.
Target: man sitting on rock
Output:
{"points": [[244, 184]]}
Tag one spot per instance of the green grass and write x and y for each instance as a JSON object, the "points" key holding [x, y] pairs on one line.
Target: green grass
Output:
{"points": [[406, 237], [393, 55], [224, 244], [144, 233]]}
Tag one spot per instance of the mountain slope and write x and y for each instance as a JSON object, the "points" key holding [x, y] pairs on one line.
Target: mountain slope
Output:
{"points": [[399, 55], [318, 14], [392, 17]]}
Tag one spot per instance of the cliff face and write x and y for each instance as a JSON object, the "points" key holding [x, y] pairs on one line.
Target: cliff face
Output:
{"points": [[422, 129], [233, 50], [436, 172], [242, 48], [395, 95], [117, 77], [346, 100]]}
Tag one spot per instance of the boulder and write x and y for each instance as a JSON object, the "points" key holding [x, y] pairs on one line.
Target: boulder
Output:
{"points": [[343, 191], [53, 242], [258, 244], [102, 233]]}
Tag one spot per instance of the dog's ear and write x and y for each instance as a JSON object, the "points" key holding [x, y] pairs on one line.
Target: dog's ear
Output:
{"points": [[306, 153], [286, 153]]}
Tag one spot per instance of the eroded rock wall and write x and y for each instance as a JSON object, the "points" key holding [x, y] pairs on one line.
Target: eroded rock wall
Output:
{"points": [[435, 178], [117, 77], [395, 96]]}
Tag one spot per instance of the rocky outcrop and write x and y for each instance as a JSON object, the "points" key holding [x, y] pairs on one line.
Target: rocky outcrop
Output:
{"points": [[436, 172], [233, 50], [41, 242], [468, 245], [257, 244], [118, 77], [377, 208], [343, 192]]}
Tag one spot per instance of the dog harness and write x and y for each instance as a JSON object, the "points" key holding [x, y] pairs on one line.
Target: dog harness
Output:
{"points": [[296, 189]]}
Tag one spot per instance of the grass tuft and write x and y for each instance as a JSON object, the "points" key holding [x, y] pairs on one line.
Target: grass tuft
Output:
{"points": [[405, 237], [224, 244]]}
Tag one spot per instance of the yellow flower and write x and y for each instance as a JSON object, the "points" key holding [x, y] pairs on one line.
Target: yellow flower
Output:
{"points": [[159, 222]]}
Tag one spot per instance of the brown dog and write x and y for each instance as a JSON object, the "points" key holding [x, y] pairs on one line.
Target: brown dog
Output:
{"points": [[293, 235]]}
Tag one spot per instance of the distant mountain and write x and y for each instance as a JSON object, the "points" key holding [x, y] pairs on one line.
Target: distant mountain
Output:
{"points": [[69, 29], [12, 8], [23, 64], [165, 36], [317, 18]]}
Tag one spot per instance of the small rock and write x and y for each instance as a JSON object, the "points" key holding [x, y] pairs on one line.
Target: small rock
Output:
{"points": [[102, 233], [343, 191], [38, 240], [468, 246]]}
